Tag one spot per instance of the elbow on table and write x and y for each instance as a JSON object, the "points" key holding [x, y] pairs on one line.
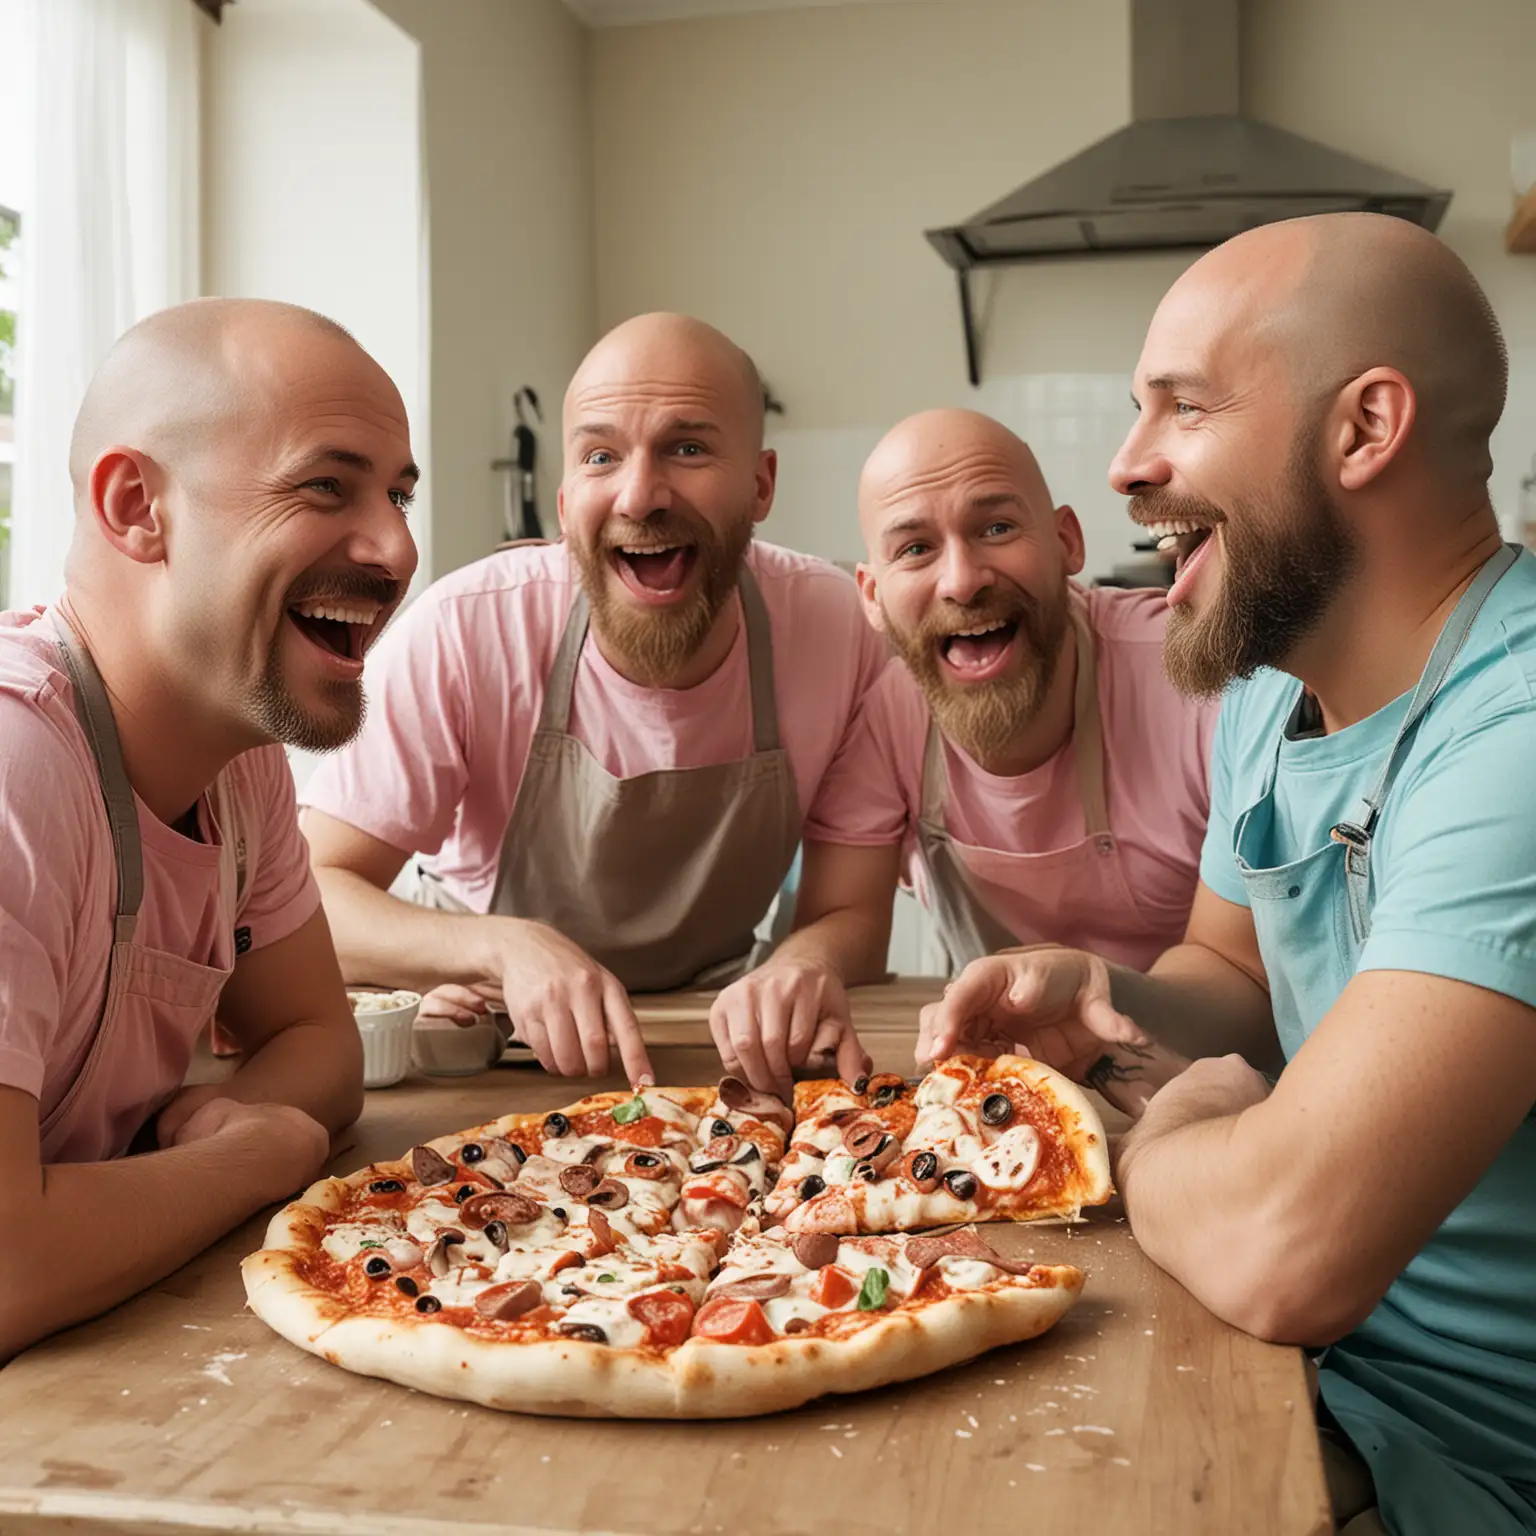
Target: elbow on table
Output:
{"points": [[24, 1310], [1290, 1293]]}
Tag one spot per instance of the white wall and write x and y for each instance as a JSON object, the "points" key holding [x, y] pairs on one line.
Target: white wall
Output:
{"points": [[509, 164], [312, 175], [774, 172]]}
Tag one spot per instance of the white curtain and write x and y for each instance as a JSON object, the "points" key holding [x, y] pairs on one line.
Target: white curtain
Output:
{"points": [[112, 234]]}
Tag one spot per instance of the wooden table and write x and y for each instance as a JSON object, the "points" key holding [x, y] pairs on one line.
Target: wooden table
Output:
{"points": [[1139, 1413]]}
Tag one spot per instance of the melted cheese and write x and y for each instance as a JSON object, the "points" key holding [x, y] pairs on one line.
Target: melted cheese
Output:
{"points": [[458, 1288], [572, 1149], [612, 1317], [345, 1240], [939, 1087], [431, 1215], [1010, 1162], [968, 1274]]}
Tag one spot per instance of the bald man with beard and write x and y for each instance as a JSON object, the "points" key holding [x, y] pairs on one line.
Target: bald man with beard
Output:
{"points": [[240, 475], [1316, 401], [593, 759], [1022, 760]]}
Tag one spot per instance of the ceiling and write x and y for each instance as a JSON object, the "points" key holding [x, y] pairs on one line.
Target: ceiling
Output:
{"points": [[636, 13]]}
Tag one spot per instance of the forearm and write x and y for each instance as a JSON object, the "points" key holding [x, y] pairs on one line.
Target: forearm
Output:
{"points": [[851, 942], [141, 1217], [314, 1067], [384, 941], [1197, 1003]]}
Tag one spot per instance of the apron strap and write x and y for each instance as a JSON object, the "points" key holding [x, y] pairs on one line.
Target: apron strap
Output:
{"points": [[1088, 730], [1357, 832], [95, 715], [560, 687], [765, 706]]}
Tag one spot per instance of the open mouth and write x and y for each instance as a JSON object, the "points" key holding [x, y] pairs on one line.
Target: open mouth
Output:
{"points": [[980, 652], [340, 628], [655, 571], [1183, 537]]}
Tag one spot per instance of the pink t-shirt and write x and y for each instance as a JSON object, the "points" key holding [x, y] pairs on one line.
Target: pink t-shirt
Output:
{"points": [[456, 685], [58, 879], [1156, 749]]}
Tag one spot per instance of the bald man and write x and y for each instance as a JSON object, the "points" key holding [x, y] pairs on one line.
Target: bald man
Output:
{"points": [[1023, 757], [240, 476], [600, 754], [1316, 401]]}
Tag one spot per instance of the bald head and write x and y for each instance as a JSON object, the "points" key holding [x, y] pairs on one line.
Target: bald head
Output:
{"points": [[1339, 294], [669, 356], [928, 452], [189, 374]]}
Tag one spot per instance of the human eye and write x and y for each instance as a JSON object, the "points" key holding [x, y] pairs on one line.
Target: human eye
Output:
{"points": [[402, 499]]}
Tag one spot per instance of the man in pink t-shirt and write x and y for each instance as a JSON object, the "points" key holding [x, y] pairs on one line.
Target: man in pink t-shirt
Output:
{"points": [[1023, 760], [239, 471], [588, 764]]}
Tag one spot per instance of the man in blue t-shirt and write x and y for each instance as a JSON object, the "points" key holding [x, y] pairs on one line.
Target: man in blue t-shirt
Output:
{"points": [[1316, 400]]}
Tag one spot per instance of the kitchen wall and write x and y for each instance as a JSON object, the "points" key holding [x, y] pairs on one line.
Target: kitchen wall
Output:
{"points": [[773, 173], [313, 180]]}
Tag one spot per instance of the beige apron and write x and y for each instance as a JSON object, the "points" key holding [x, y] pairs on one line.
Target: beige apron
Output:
{"points": [[661, 878], [156, 1003], [1076, 895]]}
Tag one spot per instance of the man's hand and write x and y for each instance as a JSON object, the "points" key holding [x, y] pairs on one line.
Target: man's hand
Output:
{"points": [[1053, 1002], [288, 1147], [457, 1003], [777, 1017], [1212, 1088], [565, 1006]]}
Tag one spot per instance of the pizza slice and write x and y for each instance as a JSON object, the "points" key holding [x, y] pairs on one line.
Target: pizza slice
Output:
{"points": [[977, 1139]]}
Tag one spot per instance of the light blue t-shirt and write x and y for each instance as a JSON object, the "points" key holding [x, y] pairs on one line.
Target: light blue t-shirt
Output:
{"points": [[1437, 1388]]}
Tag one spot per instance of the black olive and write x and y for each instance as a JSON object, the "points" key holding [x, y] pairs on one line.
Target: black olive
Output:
{"points": [[811, 1186], [588, 1333], [376, 1267], [645, 1160], [405, 1285], [886, 1095], [924, 1165], [386, 1187], [463, 1192], [961, 1183], [570, 1290], [997, 1109], [428, 1304], [751, 1153], [860, 1084], [518, 1153], [560, 1211], [722, 1128], [865, 1171], [471, 1152], [496, 1232], [450, 1237], [556, 1124], [705, 1167]]}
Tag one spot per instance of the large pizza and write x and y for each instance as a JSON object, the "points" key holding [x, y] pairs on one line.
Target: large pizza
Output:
{"points": [[694, 1252]]}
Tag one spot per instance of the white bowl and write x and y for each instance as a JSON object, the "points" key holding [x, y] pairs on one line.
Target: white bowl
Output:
{"points": [[384, 1021], [441, 1048]]}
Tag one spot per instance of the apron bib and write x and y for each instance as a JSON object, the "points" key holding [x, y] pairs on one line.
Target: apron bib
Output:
{"points": [[661, 878], [1076, 895], [156, 1002]]}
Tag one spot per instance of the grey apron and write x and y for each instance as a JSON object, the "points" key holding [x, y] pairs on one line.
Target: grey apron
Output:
{"points": [[661, 878]]}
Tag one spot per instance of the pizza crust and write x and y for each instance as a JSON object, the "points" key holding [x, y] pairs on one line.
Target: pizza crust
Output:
{"points": [[701, 1379]]}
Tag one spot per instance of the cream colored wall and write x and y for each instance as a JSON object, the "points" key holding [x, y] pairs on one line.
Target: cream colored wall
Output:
{"points": [[773, 173], [509, 172]]}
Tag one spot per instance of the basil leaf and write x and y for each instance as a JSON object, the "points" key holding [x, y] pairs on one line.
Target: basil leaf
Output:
{"points": [[872, 1293], [634, 1110], [369, 1244], [607, 1277]]}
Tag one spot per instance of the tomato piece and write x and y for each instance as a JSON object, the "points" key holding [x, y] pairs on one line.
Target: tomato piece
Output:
{"points": [[731, 1321], [668, 1316], [833, 1287], [644, 1132]]}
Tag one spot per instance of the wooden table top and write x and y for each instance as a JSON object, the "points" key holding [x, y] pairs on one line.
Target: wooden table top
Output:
{"points": [[1139, 1413]]}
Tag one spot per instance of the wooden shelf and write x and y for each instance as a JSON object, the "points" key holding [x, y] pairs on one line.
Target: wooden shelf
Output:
{"points": [[1521, 234]]}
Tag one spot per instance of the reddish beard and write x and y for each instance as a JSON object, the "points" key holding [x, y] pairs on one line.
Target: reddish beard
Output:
{"points": [[984, 719], [649, 644]]}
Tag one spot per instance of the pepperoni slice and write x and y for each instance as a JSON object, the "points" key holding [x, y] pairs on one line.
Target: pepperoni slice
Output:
{"points": [[730, 1321], [833, 1287], [667, 1316]]}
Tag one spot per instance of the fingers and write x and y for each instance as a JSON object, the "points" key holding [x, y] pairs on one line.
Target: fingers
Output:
{"points": [[624, 1028], [974, 993], [1108, 1023], [853, 1061], [745, 1042], [458, 1004], [720, 1033], [588, 1016]]}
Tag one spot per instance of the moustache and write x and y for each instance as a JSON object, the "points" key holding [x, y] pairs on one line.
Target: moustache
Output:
{"points": [[362, 585], [1165, 506]]}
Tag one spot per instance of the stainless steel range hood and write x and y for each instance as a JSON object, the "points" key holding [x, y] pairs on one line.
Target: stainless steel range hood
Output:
{"points": [[1189, 172]]}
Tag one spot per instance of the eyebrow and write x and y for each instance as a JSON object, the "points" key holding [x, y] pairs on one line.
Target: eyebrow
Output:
{"points": [[357, 461], [1175, 381], [676, 425]]}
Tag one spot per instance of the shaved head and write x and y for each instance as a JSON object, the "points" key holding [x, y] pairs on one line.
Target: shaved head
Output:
{"points": [[665, 477], [969, 559]]}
